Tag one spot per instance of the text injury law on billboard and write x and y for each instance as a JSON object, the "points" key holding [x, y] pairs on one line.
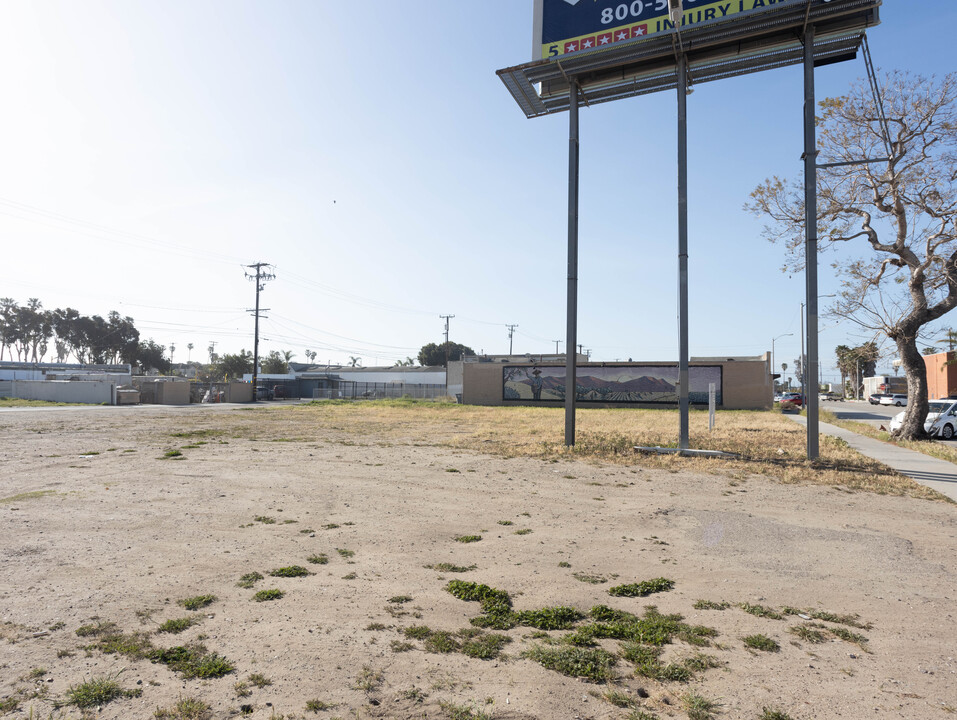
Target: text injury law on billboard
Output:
{"points": [[568, 26]]}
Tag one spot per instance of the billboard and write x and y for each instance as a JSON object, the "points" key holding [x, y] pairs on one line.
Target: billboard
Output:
{"points": [[618, 384], [569, 26]]}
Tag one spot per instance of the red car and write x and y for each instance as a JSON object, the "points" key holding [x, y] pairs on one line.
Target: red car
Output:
{"points": [[793, 398]]}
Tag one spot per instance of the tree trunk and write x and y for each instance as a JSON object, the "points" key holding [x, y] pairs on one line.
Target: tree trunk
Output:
{"points": [[913, 363]]}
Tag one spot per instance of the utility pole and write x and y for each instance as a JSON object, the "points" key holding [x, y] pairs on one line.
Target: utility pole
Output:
{"points": [[172, 349], [556, 345], [212, 351], [446, 318], [260, 277], [511, 329]]}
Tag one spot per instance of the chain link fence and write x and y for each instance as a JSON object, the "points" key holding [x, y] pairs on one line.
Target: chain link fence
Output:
{"points": [[353, 390]]}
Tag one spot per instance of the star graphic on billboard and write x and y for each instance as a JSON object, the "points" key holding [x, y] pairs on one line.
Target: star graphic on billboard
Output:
{"points": [[639, 31], [604, 39], [621, 35], [571, 47], [587, 43]]}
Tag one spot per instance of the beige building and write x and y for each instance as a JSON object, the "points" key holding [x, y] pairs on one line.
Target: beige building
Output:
{"points": [[741, 383]]}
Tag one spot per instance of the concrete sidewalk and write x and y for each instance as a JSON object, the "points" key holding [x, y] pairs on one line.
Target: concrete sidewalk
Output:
{"points": [[930, 471]]}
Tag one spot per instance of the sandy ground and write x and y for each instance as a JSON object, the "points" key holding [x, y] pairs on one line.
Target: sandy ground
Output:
{"points": [[120, 536]]}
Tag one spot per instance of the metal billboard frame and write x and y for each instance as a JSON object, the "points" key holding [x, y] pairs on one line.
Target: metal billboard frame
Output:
{"points": [[808, 32]]}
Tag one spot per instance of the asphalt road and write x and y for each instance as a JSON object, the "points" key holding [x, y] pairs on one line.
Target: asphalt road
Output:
{"points": [[862, 411]]}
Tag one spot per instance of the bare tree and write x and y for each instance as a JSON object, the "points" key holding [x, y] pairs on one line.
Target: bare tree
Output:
{"points": [[896, 218]]}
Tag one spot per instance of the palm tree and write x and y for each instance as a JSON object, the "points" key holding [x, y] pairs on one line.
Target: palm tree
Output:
{"points": [[784, 370], [354, 361], [189, 350], [949, 339]]}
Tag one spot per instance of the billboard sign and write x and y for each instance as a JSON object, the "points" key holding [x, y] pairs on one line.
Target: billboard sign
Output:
{"points": [[569, 26], [611, 384]]}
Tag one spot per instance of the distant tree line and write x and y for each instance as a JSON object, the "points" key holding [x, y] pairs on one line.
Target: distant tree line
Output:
{"points": [[29, 332]]}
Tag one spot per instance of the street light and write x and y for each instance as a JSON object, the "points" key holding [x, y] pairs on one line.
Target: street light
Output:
{"points": [[772, 354]]}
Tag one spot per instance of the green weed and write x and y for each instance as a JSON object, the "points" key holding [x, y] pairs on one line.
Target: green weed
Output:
{"points": [[249, 580], [552, 618], [848, 636], [267, 595], [317, 706], [710, 605], [197, 602], [417, 632], [808, 633], [592, 664], [641, 589], [318, 559], [449, 567], [97, 630], [761, 611], [345, 553], [134, 645], [467, 538], [772, 714], [185, 709], [290, 571], [699, 707], [367, 679], [588, 578], [463, 712], [619, 698], [761, 642], [97, 691], [193, 661], [178, 625], [259, 680]]}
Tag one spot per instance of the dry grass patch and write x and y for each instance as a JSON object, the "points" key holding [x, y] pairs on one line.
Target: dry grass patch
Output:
{"points": [[767, 442]]}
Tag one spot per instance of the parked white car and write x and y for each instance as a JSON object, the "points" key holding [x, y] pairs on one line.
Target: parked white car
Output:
{"points": [[941, 419], [898, 400]]}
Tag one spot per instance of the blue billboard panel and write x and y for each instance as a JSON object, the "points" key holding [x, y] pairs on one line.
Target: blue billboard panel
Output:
{"points": [[569, 26]]}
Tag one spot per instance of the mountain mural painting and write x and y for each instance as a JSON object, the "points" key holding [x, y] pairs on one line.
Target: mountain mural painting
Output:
{"points": [[619, 384]]}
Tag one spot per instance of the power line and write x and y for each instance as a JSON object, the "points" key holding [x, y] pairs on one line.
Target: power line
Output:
{"points": [[57, 220]]}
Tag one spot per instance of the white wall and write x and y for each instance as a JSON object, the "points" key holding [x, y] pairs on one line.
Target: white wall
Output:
{"points": [[94, 392]]}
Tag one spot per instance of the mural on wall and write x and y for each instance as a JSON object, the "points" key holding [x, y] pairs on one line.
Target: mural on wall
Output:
{"points": [[628, 384]]}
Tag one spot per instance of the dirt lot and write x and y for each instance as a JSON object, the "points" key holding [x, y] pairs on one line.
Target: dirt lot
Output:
{"points": [[99, 526]]}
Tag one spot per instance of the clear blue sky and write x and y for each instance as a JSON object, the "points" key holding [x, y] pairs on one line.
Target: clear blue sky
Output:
{"points": [[369, 151]]}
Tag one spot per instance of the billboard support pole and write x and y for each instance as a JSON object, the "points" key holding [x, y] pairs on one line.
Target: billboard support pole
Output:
{"points": [[810, 252], [571, 331], [683, 439]]}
